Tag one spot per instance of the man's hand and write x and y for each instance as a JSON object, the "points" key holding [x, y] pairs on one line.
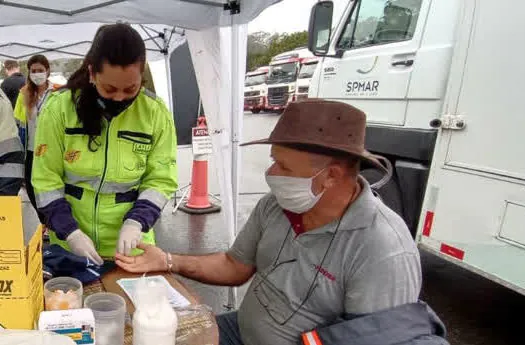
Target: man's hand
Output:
{"points": [[152, 260], [81, 245], [130, 236]]}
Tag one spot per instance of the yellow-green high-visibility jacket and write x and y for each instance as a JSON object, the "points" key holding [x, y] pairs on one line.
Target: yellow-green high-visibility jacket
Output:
{"points": [[131, 175]]}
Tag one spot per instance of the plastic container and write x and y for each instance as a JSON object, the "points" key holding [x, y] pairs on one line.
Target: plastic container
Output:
{"points": [[109, 310], [154, 320], [63, 293]]}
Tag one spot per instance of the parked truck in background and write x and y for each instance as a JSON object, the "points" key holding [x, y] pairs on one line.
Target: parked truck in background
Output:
{"points": [[305, 77], [282, 78], [442, 87], [255, 90]]}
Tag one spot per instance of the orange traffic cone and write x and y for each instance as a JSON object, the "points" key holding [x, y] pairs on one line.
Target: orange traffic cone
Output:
{"points": [[199, 202]]}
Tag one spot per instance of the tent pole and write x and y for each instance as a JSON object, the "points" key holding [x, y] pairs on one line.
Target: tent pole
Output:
{"points": [[168, 72], [236, 125]]}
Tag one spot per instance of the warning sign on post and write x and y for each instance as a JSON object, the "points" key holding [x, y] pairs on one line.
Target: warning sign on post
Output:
{"points": [[201, 141]]}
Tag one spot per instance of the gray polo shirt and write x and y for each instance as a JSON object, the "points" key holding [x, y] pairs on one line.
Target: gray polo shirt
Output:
{"points": [[371, 264]]}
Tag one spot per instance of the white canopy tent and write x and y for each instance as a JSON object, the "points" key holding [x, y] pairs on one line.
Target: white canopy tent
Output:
{"points": [[216, 31]]}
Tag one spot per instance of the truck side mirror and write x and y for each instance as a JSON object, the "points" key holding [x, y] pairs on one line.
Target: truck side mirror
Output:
{"points": [[320, 27]]}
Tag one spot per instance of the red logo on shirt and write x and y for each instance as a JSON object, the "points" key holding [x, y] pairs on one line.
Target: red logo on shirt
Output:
{"points": [[325, 272]]}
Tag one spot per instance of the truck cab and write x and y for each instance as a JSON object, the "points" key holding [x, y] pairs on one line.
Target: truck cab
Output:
{"points": [[255, 90], [305, 77], [391, 59], [443, 96], [282, 78]]}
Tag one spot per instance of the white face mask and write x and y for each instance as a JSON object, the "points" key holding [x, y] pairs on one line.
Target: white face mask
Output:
{"points": [[38, 78], [294, 193]]}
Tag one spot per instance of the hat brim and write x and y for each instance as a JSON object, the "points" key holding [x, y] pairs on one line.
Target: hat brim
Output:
{"points": [[365, 156]]}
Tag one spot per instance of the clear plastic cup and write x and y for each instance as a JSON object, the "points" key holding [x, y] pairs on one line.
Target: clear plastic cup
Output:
{"points": [[109, 310], [63, 293]]}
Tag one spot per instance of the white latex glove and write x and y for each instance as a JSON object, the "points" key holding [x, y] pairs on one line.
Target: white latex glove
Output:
{"points": [[81, 245], [130, 236]]}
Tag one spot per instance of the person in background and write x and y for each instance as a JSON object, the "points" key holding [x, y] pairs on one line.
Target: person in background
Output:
{"points": [[28, 106], [11, 151], [14, 81], [105, 154], [331, 264]]}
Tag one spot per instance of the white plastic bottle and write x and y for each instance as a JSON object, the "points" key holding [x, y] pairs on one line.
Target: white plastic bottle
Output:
{"points": [[154, 320]]}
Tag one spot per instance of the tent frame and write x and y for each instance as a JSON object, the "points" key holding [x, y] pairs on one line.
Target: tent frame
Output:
{"points": [[234, 7]]}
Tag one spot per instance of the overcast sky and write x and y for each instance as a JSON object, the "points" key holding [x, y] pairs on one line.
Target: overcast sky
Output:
{"points": [[290, 16]]}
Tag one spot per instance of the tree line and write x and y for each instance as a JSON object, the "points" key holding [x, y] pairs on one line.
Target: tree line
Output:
{"points": [[262, 46]]}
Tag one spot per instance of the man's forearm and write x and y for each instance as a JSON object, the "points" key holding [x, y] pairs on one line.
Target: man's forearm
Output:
{"points": [[214, 269]]}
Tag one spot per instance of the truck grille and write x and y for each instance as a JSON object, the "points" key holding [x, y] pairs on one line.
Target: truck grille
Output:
{"points": [[278, 95], [303, 89], [252, 93], [251, 102]]}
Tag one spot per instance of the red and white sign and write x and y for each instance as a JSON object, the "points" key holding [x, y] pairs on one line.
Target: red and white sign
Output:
{"points": [[201, 141]]}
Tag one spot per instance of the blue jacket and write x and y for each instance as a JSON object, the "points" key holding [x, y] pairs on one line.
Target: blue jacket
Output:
{"points": [[409, 324]]}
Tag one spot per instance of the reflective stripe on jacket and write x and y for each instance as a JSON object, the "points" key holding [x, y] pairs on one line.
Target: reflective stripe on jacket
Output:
{"points": [[131, 175]]}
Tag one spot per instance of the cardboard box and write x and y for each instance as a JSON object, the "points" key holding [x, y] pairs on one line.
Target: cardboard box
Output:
{"points": [[21, 282], [78, 324]]}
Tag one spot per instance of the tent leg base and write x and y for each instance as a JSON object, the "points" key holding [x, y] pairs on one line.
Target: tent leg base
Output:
{"points": [[212, 209]]}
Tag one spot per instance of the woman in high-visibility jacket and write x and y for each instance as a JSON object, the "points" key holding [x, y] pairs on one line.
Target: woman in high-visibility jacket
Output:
{"points": [[105, 156], [27, 108]]}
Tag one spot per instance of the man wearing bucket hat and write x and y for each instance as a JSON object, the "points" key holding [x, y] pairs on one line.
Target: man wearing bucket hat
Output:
{"points": [[329, 261]]}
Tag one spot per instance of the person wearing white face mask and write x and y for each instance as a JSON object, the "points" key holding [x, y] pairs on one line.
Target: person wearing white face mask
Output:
{"points": [[329, 261], [28, 105]]}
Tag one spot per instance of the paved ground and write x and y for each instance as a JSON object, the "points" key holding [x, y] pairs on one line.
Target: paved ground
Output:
{"points": [[475, 311]]}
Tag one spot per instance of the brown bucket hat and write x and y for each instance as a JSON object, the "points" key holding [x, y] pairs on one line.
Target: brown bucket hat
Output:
{"points": [[328, 125]]}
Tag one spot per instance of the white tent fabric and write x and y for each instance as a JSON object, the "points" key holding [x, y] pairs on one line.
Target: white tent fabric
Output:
{"points": [[216, 33], [188, 14]]}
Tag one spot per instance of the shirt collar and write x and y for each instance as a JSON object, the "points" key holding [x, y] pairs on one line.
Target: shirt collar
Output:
{"points": [[363, 210]]}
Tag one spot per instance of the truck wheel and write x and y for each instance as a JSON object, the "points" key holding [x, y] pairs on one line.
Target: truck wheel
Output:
{"points": [[256, 111], [390, 193]]}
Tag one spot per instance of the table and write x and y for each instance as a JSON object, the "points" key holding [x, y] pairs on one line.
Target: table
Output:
{"points": [[197, 324]]}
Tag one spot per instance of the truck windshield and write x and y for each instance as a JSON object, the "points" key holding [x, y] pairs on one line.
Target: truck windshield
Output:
{"points": [[252, 80], [283, 73], [307, 71]]}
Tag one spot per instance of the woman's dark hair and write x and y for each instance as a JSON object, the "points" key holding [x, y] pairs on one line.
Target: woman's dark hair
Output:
{"points": [[118, 45], [31, 92]]}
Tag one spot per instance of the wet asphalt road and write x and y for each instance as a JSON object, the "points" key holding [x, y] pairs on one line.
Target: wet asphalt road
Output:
{"points": [[475, 310]]}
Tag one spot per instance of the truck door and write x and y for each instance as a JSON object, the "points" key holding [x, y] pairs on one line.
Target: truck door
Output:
{"points": [[474, 209], [380, 40]]}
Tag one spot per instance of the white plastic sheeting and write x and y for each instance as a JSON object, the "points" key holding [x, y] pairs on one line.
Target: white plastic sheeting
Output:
{"points": [[219, 58], [216, 36]]}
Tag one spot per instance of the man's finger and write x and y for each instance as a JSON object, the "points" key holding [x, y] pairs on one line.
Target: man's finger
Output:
{"points": [[143, 246], [124, 258], [127, 267]]}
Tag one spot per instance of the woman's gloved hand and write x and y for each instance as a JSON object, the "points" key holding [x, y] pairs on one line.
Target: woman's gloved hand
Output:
{"points": [[81, 245], [130, 236]]}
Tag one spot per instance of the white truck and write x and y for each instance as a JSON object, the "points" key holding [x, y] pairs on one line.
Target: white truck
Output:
{"points": [[282, 78], [255, 90], [442, 83], [305, 77]]}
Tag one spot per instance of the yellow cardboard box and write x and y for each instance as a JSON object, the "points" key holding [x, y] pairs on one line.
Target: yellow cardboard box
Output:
{"points": [[21, 283]]}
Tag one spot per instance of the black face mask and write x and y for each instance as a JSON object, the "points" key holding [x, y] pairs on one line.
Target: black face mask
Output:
{"points": [[112, 108]]}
